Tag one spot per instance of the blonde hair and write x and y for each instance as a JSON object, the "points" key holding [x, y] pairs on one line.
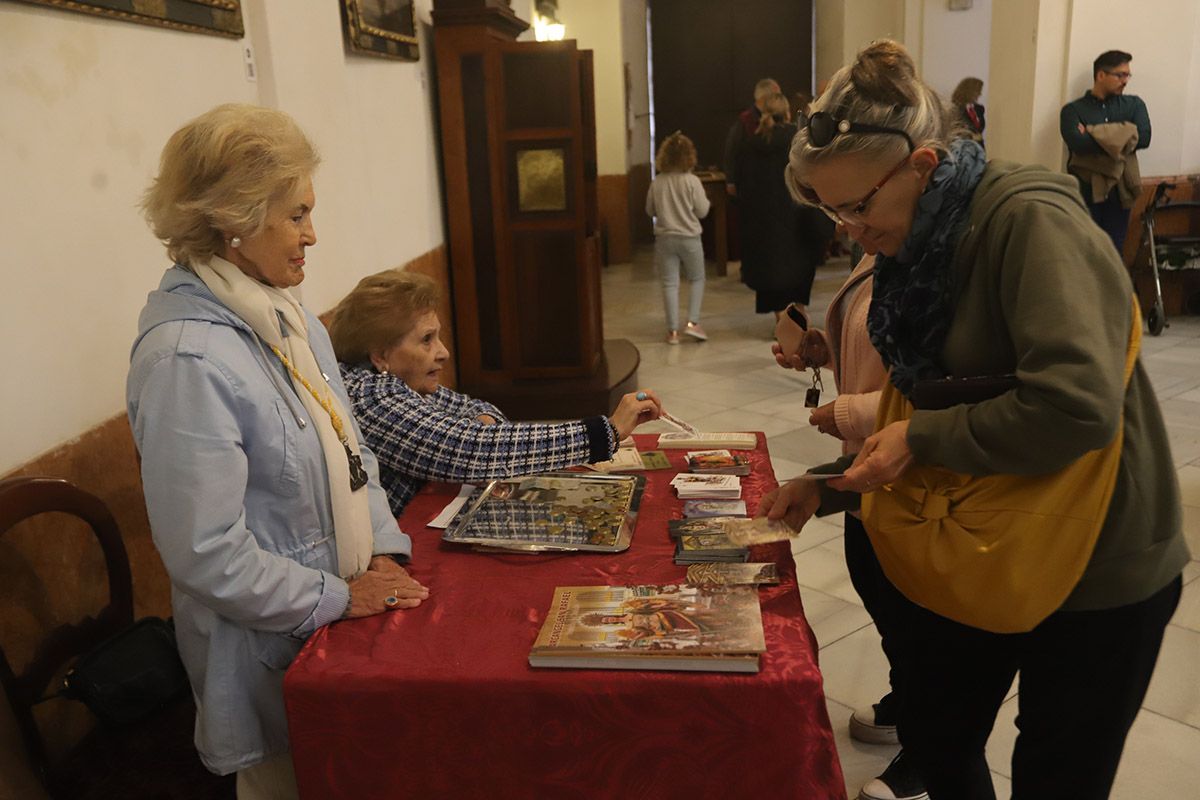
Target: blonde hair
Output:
{"points": [[764, 87], [880, 88], [775, 106], [221, 173], [380, 310], [967, 91], [676, 154]]}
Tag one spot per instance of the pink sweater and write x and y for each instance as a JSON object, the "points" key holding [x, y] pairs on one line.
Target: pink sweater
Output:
{"points": [[857, 370]]}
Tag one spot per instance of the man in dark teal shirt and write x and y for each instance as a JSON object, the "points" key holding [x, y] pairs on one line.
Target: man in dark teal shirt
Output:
{"points": [[1106, 101]]}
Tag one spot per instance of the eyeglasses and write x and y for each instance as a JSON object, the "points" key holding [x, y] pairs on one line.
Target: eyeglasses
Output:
{"points": [[823, 128], [1121, 75], [857, 215]]}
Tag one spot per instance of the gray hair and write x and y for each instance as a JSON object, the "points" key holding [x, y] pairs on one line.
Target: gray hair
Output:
{"points": [[880, 88]]}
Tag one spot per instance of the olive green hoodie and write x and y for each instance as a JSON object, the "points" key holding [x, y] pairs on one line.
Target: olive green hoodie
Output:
{"points": [[1040, 292]]}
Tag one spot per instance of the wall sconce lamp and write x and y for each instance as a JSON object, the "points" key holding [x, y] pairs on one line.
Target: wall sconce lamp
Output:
{"points": [[546, 27]]}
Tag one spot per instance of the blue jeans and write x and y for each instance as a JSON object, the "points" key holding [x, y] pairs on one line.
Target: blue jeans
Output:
{"points": [[669, 253]]}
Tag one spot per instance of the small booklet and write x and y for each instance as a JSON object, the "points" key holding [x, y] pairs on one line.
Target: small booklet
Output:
{"points": [[717, 462], [752, 574], [655, 459], [720, 487], [681, 440], [626, 459], [674, 627], [714, 508]]}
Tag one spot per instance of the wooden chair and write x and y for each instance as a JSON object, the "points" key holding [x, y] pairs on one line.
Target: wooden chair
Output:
{"points": [[154, 758]]}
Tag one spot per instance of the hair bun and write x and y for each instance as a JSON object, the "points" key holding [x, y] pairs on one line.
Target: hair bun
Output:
{"points": [[884, 72]]}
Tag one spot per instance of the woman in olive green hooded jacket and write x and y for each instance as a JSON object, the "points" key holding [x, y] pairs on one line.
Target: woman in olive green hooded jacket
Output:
{"points": [[989, 269]]}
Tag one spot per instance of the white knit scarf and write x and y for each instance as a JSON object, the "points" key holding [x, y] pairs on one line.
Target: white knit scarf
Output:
{"points": [[261, 307]]}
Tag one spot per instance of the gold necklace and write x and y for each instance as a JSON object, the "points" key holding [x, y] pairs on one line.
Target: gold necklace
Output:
{"points": [[358, 475]]}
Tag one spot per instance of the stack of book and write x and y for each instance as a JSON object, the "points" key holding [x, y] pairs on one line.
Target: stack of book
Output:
{"points": [[717, 462], [675, 627], [714, 487], [705, 540]]}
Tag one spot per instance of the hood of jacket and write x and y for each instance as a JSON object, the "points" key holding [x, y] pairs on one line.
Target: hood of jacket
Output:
{"points": [[1001, 181], [182, 296]]}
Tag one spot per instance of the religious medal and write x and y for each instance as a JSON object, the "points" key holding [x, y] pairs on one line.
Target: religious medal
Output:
{"points": [[358, 475]]}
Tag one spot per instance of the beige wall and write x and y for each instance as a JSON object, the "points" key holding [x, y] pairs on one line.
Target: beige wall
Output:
{"points": [[88, 104]]}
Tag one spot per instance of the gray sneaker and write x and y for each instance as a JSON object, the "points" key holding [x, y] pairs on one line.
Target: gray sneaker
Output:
{"points": [[876, 725]]}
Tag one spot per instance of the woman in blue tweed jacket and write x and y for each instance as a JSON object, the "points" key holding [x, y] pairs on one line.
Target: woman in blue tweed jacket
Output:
{"points": [[386, 336]]}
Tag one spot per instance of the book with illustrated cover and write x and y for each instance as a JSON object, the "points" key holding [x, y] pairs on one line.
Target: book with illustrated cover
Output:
{"points": [[717, 462], [707, 440], [674, 627], [733, 574], [555, 511], [714, 508]]}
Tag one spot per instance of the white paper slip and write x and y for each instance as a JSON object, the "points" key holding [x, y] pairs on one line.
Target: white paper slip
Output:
{"points": [[443, 519], [686, 427]]}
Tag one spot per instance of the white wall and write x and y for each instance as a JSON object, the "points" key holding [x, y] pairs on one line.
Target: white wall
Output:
{"points": [[88, 104], [953, 45], [634, 50]]}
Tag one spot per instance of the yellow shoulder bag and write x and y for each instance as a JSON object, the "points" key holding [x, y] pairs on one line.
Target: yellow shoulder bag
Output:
{"points": [[997, 552]]}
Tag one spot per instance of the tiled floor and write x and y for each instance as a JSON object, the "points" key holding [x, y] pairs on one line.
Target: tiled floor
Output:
{"points": [[731, 383]]}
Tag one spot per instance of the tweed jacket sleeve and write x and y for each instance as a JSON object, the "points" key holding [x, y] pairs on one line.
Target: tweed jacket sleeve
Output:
{"points": [[437, 437]]}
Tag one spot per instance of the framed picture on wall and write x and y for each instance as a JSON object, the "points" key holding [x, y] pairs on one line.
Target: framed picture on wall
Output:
{"points": [[218, 17], [386, 28]]}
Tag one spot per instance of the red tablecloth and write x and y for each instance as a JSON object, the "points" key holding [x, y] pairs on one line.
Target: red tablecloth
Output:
{"points": [[440, 701]]}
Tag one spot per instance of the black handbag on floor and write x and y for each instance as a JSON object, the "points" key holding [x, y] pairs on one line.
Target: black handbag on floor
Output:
{"points": [[130, 676]]}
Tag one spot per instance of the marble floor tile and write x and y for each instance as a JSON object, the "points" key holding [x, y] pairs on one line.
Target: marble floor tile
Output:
{"points": [[855, 669], [824, 568], [1187, 615], [830, 618], [1174, 690]]}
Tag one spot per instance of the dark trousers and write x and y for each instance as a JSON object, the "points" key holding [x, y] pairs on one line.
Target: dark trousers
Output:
{"points": [[882, 600], [1113, 219], [1083, 677]]}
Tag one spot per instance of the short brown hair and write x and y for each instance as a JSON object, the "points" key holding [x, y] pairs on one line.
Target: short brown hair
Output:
{"points": [[380, 310], [967, 91], [676, 154], [221, 173]]}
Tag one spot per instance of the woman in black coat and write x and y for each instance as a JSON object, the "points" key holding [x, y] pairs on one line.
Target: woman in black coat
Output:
{"points": [[782, 243]]}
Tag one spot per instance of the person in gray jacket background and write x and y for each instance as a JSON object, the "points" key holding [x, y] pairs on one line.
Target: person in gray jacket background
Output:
{"points": [[263, 503]]}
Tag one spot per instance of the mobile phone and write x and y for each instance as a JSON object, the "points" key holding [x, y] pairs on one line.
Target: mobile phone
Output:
{"points": [[790, 330]]}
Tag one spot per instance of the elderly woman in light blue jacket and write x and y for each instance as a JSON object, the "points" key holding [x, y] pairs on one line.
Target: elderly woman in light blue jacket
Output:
{"points": [[264, 504]]}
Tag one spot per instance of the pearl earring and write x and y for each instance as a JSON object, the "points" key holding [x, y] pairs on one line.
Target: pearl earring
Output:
{"points": [[383, 370], [235, 241]]}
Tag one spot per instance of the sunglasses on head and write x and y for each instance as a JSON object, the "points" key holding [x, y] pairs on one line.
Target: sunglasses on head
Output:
{"points": [[823, 128]]}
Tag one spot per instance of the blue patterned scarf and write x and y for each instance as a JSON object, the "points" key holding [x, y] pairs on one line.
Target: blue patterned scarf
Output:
{"points": [[911, 302]]}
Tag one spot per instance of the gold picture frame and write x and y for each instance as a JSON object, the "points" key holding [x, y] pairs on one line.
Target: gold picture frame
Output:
{"points": [[214, 17], [385, 28]]}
